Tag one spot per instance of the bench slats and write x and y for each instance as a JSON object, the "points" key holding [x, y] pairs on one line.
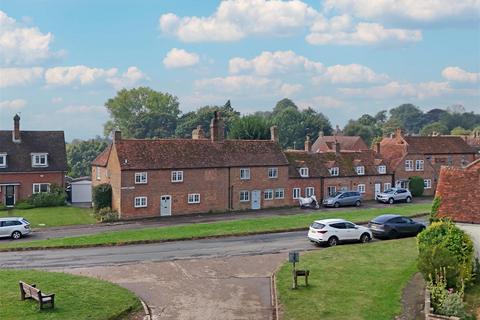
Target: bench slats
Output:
{"points": [[28, 291]]}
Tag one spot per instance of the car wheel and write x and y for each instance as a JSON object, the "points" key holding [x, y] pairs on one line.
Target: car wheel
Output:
{"points": [[393, 234], [358, 203], [390, 200], [332, 241], [336, 205], [408, 200], [365, 238], [16, 235]]}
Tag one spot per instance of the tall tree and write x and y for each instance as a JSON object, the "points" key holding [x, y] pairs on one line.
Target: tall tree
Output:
{"points": [[81, 153], [251, 127], [410, 116], [143, 113], [434, 127], [284, 104]]}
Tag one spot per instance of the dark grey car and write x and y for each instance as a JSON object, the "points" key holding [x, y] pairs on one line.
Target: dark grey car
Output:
{"points": [[394, 226], [343, 198]]}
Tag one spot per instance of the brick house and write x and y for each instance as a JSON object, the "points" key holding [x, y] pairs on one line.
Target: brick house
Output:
{"points": [[162, 177], [423, 156], [30, 162], [327, 143], [324, 173]]}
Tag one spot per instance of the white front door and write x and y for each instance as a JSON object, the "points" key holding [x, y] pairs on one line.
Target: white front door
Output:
{"points": [[165, 206], [378, 189], [256, 199]]}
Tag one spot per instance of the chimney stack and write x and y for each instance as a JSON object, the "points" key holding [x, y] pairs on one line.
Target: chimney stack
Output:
{"points": [[274, 134], [198, 133], [377, 147], [16, 129], [117, 135], [217, 127], [308, 144], [337, 147]]}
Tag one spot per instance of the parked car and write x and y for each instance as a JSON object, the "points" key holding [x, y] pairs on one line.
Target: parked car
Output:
{"points": [[343, 198], [333, 231], [394, 226], [394, 195], [14, 227]]}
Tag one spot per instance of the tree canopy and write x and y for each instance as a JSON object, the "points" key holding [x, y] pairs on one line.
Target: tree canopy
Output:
{"points": [[81, 153]]}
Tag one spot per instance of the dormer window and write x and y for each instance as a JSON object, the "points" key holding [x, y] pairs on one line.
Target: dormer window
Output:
{"points": [[360, 170], [3, 160], [334, 171], [304, 172], [382, 169], [39, 160]]}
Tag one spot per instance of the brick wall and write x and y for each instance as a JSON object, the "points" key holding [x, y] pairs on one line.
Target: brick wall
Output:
{"points": [[26, 180], [351, 183], [427, 173], [459, 189]]}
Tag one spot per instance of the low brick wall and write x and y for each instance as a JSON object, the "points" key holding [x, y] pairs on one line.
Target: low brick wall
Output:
{"points": [[429, 315]]}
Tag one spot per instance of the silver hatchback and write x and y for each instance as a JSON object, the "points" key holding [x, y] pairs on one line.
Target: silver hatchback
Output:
{"points": [[14, 227]]}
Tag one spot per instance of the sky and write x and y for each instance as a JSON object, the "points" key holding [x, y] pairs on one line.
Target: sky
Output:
{"points": [[60, 61]]}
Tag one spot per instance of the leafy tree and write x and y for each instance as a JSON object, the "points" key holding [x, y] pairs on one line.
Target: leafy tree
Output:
{"points": [[314, 122], [467, 120], [459, 131], [433, 115], [250, 127], [437, 127], [390, 126], [410, 117], [366, 132], [282, 105], [143, 113], [81, 153], [381, 117]]}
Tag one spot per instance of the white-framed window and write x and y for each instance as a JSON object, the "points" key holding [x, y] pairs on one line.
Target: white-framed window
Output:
{"points": [[97, 173], [41, 187], [361, 188], [244, 196], [419, 165], [360, 170], [382, 169], [3, 160], [303, 172], [408, 165], [279, 193], [140, 202], [268, 194], [193, 198], [39, 160], [309, 191], [334, 171], [177, 176], [296, 193], [245, 174], [386, 186], [141, 177], [273, 173], [331, 190], [427, 183]]}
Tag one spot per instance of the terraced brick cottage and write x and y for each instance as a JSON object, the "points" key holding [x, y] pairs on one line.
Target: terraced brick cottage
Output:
{"points": [[423, 156], [30, 161], [162, 177]]}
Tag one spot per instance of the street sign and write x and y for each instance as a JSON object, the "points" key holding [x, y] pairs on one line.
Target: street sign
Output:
{"points": [[293, 256]]}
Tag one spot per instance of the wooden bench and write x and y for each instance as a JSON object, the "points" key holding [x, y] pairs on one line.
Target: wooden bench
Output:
{"points": [[28, 291], [300, 273]]}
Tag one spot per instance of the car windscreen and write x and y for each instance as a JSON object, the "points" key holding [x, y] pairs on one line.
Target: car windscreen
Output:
{"points": [[317, 225], [389, 191]]}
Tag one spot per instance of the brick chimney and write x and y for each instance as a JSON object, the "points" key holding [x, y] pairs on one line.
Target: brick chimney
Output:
{"points": [[308, 144], [274, 134], [198, 133], [16, 129], [399, 135], [217, 127], [337, 147], [117, 135], [377, 147]]}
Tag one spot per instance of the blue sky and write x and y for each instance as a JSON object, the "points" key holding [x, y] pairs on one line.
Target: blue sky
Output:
{"points": [[61, 60]]}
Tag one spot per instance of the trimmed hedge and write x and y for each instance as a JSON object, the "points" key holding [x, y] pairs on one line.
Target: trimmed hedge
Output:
{"points": [[416, 186], [102, 196], [54, 198]]}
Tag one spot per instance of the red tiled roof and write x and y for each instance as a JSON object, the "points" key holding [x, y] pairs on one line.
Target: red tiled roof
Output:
{"points": [[102, 159], [327, 143], [187, 153]]}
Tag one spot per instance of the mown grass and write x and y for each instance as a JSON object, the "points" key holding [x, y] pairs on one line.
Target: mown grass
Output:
{"points": [[202, 230], [52, 216], [350, 282], [76, 297]]}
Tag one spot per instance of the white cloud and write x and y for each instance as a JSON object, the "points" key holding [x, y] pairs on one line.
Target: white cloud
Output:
{"points": [[57, 100], [12, 105], [268, 63], [76, 75], [459, 75], [128, 79], [321, 102], [19, 76], [351, 73], [401, 90], [22, 45], [82, 109], [420, 11], [235, 19], [179, 58]]}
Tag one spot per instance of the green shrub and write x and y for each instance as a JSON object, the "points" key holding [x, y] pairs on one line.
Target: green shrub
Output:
{"points": [[53, 198], [416, 186], [435, 207], [102, 196], [106, 215], [24, 205], [441, 236], [436, 258], [445, 301]]}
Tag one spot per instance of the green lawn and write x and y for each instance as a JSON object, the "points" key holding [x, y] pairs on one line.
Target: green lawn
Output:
{"points": [[53, 216], [202, 230], [76, 297], [363, 281]]}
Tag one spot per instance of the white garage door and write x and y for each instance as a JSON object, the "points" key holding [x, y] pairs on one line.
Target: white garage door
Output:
{"points": [[81, 191]]}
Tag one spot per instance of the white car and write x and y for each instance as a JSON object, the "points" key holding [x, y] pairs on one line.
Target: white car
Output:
{"points": [[14, 227], [333, 231], [395, 194]]}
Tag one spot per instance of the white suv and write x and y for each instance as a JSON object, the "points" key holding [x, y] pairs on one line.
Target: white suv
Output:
{"points": [[14, 227], [395, 194], [332, 231]]}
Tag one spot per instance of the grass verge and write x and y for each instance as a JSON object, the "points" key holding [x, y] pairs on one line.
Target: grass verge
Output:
{"points": [[350, 282], [52, 216], [213, 229], [76, 297]]}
